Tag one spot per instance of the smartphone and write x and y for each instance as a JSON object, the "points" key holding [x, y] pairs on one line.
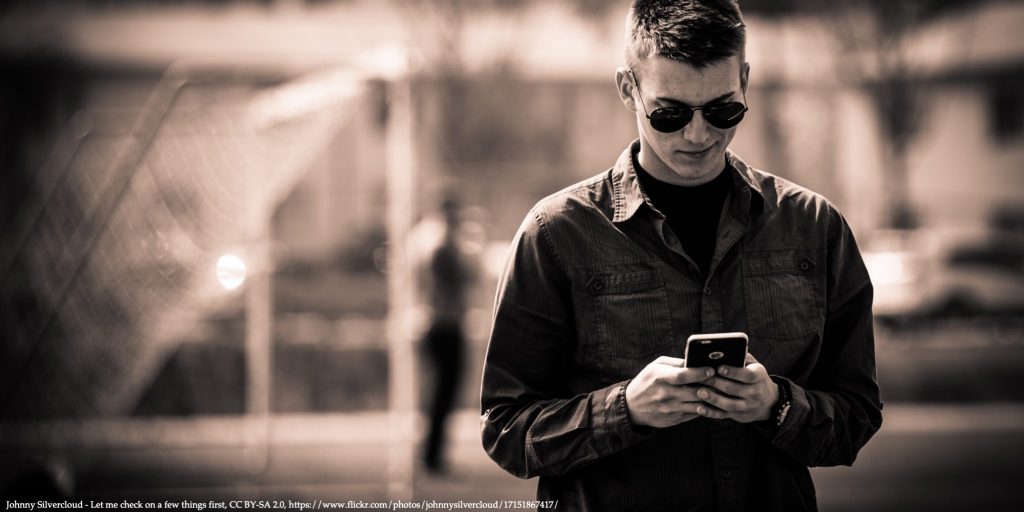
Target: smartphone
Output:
{"points": [[714, 350]]}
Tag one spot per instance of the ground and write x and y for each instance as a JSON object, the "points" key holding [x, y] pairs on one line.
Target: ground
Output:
{"points": [[927, 457]]}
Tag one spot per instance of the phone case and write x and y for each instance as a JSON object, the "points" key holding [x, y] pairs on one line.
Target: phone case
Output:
{"points": [[715, 350]]}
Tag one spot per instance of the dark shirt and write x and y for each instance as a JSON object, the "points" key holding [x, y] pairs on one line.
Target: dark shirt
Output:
{"points": [[691, 212], [594, 291], [447, 282], [445, 274]]}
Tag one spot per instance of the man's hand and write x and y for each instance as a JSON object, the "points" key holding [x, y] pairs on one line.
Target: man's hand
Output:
{"points": [[662, 394], [741, 394]]}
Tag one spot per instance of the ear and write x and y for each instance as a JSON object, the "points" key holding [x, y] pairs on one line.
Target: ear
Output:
{"points": [[625, 85], [744, 76]]}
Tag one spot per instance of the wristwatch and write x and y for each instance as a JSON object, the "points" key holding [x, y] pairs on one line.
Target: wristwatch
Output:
{"points": [[781, 408]]}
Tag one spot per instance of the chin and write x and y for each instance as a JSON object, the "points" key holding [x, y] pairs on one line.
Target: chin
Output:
{"points": [[708, 168]]}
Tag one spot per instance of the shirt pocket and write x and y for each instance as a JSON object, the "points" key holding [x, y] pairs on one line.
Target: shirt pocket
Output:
{"points": [[783, 294], [630, 315]]}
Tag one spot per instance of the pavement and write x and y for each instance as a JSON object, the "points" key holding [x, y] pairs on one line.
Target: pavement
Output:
{"points": [[934, 457]]}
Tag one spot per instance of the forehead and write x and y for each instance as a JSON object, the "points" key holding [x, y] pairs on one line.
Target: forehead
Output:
{"points": [[666, 78]]}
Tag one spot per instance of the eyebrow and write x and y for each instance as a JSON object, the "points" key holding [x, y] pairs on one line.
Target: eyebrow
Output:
{"points": [[676, 102]]}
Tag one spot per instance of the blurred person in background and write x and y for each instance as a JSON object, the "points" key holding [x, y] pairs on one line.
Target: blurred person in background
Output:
{"points": [[445, 277], [584, 383]]}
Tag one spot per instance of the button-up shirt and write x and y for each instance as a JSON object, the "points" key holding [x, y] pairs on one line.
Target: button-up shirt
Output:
{"points": [[597, 287]]}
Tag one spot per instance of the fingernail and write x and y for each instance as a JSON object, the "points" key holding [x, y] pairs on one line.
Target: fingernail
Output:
{"points": [[723, 370], [702, 411], [709, 372], [702, 393]]}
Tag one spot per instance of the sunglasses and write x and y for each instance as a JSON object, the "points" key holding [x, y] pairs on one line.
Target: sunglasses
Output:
{"points": [[672, 119]]}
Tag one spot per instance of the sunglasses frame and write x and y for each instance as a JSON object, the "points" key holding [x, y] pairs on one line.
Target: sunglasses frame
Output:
{"points": [[692, 110]]}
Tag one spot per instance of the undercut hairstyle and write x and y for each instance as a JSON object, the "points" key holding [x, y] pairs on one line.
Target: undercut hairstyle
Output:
{"points": [[695, 32]]}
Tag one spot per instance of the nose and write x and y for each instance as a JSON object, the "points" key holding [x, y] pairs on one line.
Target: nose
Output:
{"points": [[696, 131]]}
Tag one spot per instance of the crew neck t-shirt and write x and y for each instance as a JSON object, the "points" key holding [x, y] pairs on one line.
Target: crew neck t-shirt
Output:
{"points": [[691, 212]]}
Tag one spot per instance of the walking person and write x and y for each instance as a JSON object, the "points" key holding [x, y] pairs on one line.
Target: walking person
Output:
{"points": [[584, 381]]}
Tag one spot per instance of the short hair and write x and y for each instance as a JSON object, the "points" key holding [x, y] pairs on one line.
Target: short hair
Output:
{"points": [[695, 32]]}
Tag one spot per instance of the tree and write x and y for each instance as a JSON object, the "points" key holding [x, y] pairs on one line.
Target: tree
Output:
{"points": [[874, 38]]}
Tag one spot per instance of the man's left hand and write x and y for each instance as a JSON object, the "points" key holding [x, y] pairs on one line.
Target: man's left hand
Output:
{"points": [[742, 394]]}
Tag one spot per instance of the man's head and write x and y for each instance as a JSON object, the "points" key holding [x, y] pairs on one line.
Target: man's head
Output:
{"points": [[683, 53], [450, 209], [695, 32]]}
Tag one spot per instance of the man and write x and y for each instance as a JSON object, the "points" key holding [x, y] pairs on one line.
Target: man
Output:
{"points": [[445, 277], [584, 384]]}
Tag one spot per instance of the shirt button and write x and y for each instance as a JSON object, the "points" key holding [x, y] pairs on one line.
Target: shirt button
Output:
{"points": [[806, 264], [596, 284], [707, 291], [727, 473]]}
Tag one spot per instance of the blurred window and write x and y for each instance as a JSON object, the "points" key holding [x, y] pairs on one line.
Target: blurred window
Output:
{"points": [[1002, 256], [1006, 111]]}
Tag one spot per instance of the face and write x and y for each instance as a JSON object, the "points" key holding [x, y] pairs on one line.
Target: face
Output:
{"points": [[695, 154]]}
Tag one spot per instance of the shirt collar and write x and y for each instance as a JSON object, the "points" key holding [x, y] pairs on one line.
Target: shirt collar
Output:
{"points": [[628, 196]]}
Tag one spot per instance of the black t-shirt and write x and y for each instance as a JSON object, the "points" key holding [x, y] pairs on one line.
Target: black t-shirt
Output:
{"points": [[691, 212]]}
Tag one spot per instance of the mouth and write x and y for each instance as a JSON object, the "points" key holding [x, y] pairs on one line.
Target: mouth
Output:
{"points": [[699, 153]]}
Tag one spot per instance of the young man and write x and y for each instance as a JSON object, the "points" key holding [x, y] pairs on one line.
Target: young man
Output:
{"points": [[584, 382]]}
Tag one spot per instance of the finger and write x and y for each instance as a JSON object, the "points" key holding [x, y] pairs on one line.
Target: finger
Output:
{"points": [[685, 394], [747, 375], [670, 398], [681, 405], [701, 409], [671, 361], [681, 376], [672, 407], [721, 401], [710, 411], [730, 387], [749, 359]]}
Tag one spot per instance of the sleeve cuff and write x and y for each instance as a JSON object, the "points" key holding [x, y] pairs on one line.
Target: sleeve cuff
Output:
{"points": [[611, 422], [783, 435]]}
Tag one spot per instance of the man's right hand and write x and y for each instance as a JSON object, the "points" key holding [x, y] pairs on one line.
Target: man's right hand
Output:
{"points": [[661, 395]]}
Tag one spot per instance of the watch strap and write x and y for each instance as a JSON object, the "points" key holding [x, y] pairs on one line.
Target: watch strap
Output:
{"points": [[785, 402]]}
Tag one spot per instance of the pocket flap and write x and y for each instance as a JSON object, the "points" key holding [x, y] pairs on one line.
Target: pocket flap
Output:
{"points": [[625, 282], [791, 261]]}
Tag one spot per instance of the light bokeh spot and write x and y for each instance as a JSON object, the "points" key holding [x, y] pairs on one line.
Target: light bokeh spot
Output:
{"points": [[230, 271]]}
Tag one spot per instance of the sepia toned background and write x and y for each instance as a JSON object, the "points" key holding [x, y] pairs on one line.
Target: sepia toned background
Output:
{"points": [[211, 213]]}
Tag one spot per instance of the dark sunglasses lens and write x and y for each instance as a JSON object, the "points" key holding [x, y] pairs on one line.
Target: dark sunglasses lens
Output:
{"points": [[725, 116], [669, 120]]}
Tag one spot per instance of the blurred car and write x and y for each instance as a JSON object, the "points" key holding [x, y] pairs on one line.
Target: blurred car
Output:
{"points": [[948, 273]]}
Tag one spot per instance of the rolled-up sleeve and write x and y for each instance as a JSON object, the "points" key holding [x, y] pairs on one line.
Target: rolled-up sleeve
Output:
{"points": [[839, 409], [532, 424]]}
